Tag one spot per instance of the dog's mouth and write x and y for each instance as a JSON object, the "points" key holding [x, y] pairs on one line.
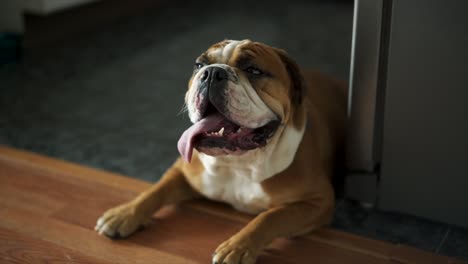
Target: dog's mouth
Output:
{"points": [[216, 135]]}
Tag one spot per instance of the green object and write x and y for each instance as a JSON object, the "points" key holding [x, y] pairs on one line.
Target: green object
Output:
{"points": [[10, 47]]}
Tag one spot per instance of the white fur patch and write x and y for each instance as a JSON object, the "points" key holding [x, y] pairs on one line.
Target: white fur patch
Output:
{"points": [[233, 186], [237, 179], [262, 163], [229, 49], [223, 54]]}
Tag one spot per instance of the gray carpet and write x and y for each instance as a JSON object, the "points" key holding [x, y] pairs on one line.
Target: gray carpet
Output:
{"points": [[111, 99]]}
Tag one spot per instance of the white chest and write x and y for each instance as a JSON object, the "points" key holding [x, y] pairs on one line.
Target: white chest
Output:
{"points": [[235, 188], [236, 179]]}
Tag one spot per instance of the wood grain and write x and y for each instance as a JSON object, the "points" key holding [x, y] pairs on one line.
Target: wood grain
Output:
{"points": [[23, 249], [48, 209]]}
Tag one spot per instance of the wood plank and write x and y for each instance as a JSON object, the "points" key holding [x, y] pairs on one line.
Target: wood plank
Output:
{"points": [[302, 250], [55, 167], [58, 202], [38, 203], [22, 249], [176, 230], [83, 240], [352, 242], [58, 187]]}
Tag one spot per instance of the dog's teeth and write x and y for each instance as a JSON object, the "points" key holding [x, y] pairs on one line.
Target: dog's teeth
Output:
{"points": [[221, 131], [239, 130]]}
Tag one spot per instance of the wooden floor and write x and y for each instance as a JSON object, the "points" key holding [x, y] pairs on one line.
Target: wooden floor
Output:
{"points": [[48, 210]]}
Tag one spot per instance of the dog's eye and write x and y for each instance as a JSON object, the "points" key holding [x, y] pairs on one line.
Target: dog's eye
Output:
{"points": [[254, 71], [198, 65]]}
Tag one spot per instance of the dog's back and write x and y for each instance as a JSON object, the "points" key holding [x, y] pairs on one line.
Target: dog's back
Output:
{"points": [[327, 106]]}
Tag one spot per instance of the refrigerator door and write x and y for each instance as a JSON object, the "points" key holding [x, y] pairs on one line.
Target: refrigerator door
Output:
{"points": [[425, 138], [364, 81], [367, 76]]}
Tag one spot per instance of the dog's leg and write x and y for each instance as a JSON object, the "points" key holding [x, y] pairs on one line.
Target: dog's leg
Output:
{"points": [[125, 219], [288, 220]]}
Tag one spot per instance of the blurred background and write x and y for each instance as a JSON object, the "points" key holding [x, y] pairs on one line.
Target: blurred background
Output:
{"points": [[102, 84]]}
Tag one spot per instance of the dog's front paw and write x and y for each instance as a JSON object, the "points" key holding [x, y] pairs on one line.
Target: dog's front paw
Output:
{"points": [[236, 250], [121, 221]]}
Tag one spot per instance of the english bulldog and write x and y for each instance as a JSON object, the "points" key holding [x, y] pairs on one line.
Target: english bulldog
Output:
{"points": [[265, 139]]}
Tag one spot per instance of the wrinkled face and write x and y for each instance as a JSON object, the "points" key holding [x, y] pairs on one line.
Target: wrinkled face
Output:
{"points": [[239, 94]]}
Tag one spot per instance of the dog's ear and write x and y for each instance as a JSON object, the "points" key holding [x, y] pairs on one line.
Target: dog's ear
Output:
{"points": [[298, 88]]}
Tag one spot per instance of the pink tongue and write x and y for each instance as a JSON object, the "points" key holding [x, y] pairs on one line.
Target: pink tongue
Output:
{"points": [[185, 144]]}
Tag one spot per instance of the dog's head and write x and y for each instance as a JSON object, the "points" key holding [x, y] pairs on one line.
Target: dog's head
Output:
{"points": [[240, 94]]}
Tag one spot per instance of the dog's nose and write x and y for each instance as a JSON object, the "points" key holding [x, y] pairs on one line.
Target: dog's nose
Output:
{"points": [[213, 83], [214, 75]]}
